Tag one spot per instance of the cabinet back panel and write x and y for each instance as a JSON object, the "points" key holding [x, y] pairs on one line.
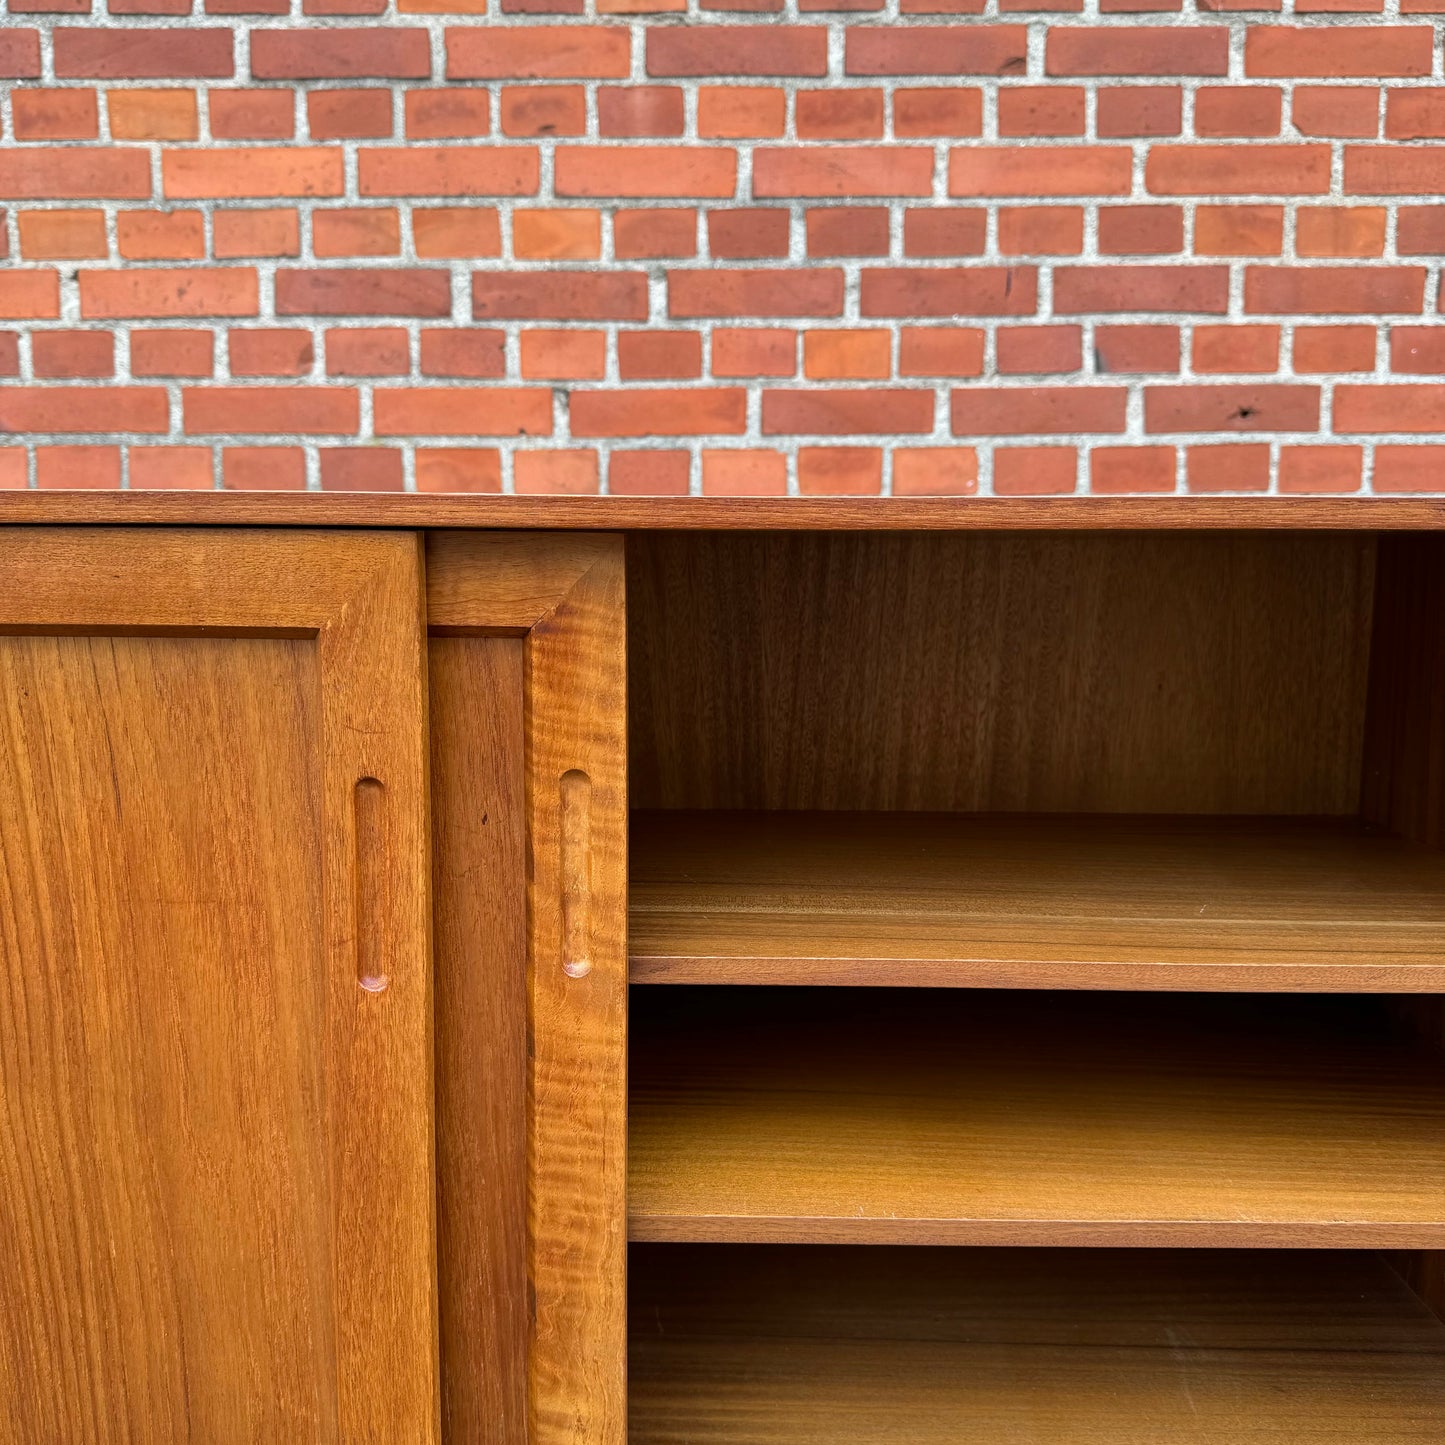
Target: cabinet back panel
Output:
{"points": [[1145, 672]]}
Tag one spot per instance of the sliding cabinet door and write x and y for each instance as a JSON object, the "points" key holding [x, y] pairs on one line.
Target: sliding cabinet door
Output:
{"points": [[216, 1141]]}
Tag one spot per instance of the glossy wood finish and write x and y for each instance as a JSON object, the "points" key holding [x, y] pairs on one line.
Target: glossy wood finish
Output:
{"points": [[480, 892], [1016, 1347], [1142, 673], [971, 1118], [1033, 901], [888, 514], [216, 1165], [564, 596]]}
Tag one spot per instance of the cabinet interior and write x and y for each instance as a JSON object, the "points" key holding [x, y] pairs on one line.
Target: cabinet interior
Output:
{"points": [[1067, 907]]}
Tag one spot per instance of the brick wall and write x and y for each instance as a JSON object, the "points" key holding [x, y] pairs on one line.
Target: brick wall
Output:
{"points": [[942, 247]]}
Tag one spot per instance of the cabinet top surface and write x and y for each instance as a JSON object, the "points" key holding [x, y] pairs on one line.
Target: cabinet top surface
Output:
{"points": [[724, 513]]}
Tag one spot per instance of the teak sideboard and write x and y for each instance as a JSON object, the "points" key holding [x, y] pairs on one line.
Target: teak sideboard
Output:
{"points": [[512, 972]]}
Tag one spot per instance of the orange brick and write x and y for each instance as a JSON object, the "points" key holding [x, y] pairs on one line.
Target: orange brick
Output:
{"points": [[564, 355], [731, 112], [744, 473], [1236, 348], [1340, 231], [263, 469], [1131, 469], [218, 291], [935, 472], [62, 235], [458, 469], [556, 235], [761, 351], [152, 114], [568, 473], [840, 471], [456, 232], [160, 236], [1239, 230], [845, 355], [648, 474], [1034, 471], [1233, 467], [89, 468], [171, 469], [256, 233], [374, 231], [29, 295]]}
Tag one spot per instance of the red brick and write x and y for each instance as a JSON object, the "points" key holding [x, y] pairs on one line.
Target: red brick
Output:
{"points": [[29, 295], [842, 171], [1236, 349], [654, 234], [9, 354], [539, 52], [760, 351], [86, 408], [367, 351], [561, 473], [1409, 468], [458, 469], [840, 471], [544, 110], [940, 351], [270, 351], [659, 355], [1333, 290], [152, 114], [935, 472], [1397, 407], [259, 410], [1038, 171], [839, 114], [69, 355], [559, 295], [450, 232], [336, 53], [154, 469], [463, 411], [750, 473], [695, 411], [1239, 467], [1152, 110], [1040, 230], [564, 355], [52, 173], [743, 50], [1237, 110], [255, 233], [608, 171], [835, 231], [937, 50], [373, 231], [648, 474], [263, 469], [20, 54], [84, 467], [1041, 110], [1039, 350], [752, 234], [1034, 471], [1327, 349], [1120, 288], [110, 52], [1417, 350], [1337, 110], [483, 170], [252, 171], [352, 114], [450, 113], [361, 469], [171, 353], [1041, 410], [734, 112], [216, 291], [1394, 170], [639, 110], [252, 114], [937, 111], [1239, 230], [949, 291], [557, 235], [363, 291], [1138, 50], [1338, 52], [940, 232], [1415, 114], [1225, 170], [1141, 230], [1340, 231], [1247, 407], [762, 293], [1320, 468], [1136, 350], [54, 114], [1122, 470]]}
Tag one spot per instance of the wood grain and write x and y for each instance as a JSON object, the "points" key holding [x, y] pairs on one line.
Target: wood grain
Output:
{"points": [[1033, 901], [814, 1346], [216, 1179], [935, 1117], [574, 723], [1184, 674], [888, 514], [480, 911]]}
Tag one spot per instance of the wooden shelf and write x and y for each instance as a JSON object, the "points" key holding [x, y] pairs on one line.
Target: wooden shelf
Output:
{"points": [[1030, 901], [1014, 1347], [941, 1116]]}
